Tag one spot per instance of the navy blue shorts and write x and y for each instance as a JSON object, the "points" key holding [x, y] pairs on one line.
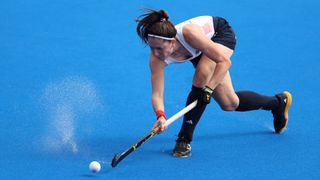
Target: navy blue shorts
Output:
{"points": [[224, 35]]}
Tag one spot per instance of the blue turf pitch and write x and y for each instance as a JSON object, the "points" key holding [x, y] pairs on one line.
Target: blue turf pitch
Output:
{"points": [[75, 87]]}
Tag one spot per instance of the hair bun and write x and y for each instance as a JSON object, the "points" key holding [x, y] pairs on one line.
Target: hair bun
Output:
{"points": [[156, 23], [163, 15]]}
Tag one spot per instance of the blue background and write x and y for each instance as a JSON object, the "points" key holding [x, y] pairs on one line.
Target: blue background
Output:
{"points": [[75, 87]]}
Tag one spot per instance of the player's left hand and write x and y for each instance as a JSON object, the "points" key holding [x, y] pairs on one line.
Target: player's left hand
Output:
{"points": [[206, 94]]}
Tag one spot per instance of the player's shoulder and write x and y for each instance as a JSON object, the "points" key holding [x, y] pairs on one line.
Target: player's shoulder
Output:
{"points": [[199, 20], [191, 30], [194, 24]]}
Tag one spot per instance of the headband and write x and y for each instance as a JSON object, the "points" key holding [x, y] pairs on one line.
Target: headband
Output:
{"points": [[160, 37]]}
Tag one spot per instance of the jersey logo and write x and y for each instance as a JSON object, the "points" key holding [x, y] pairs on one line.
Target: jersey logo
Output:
{"points": [[207, 28]]}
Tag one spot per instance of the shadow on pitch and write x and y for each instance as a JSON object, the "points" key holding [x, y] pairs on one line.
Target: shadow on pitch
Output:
{"points": [[88, 176], [170, 142], [234, 135]]}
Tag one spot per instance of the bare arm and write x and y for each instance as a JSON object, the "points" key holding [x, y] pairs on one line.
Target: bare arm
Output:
{"points": [[195, 36], [157, 80]]}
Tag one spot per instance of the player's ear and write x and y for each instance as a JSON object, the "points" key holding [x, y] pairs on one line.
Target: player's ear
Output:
{"points": [[174, 41]]}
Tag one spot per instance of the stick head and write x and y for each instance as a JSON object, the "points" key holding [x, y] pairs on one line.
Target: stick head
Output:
{"points": [[115, 160]]}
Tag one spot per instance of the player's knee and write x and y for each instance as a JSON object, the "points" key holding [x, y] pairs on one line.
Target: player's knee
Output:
{"points": [[229, 106]]}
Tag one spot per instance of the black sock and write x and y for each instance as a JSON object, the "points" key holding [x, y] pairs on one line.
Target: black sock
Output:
{"points": [[191, 118], [252, 101]]}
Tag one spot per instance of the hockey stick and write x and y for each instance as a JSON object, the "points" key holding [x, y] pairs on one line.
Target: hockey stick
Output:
{"points": [[117, 158]]}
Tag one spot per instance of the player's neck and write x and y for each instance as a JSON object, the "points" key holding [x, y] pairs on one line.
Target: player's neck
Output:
{"points": [[179, 49]]}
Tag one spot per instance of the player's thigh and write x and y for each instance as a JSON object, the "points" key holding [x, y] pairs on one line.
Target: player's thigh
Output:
{"points": [[206, 66], [203, 71], [224, 93]]}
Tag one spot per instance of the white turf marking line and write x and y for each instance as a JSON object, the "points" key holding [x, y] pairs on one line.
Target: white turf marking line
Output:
{"points": [[182, 112]]}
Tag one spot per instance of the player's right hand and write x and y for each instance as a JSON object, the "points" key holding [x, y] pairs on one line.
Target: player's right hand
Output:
{"points": [[160, 125]]}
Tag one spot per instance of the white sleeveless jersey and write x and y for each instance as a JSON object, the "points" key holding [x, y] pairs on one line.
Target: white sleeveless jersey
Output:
{"points": [[206, 23]]}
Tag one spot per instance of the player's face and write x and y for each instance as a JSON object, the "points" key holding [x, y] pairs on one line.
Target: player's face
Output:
{"points": [[160, 48]]}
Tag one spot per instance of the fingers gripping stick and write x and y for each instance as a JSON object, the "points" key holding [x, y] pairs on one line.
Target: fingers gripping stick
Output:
{"points": [[117, 158]]}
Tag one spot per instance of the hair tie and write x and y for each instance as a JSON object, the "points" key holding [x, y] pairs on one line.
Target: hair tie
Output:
{"points": [[162, 19]]}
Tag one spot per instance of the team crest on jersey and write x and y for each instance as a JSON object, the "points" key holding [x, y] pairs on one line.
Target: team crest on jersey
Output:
{"points": [[207, 28]]}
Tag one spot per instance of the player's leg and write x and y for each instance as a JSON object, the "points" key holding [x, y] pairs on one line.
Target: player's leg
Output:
{"points": [[190, 120], [248, 100], [204, 70], [230, 100]]}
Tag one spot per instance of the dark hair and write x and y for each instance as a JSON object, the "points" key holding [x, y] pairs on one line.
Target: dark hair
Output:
{"points": [[155, 22]]}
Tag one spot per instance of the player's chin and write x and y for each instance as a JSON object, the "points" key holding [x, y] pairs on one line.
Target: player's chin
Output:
{"points": [[162, 58]]}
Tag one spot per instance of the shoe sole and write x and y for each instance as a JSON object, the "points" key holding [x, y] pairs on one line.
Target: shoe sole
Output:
{"points": [[181, 156], [286, 110]]}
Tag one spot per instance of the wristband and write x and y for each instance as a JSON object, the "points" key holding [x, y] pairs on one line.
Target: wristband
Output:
{"points": [[160, 113]]}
